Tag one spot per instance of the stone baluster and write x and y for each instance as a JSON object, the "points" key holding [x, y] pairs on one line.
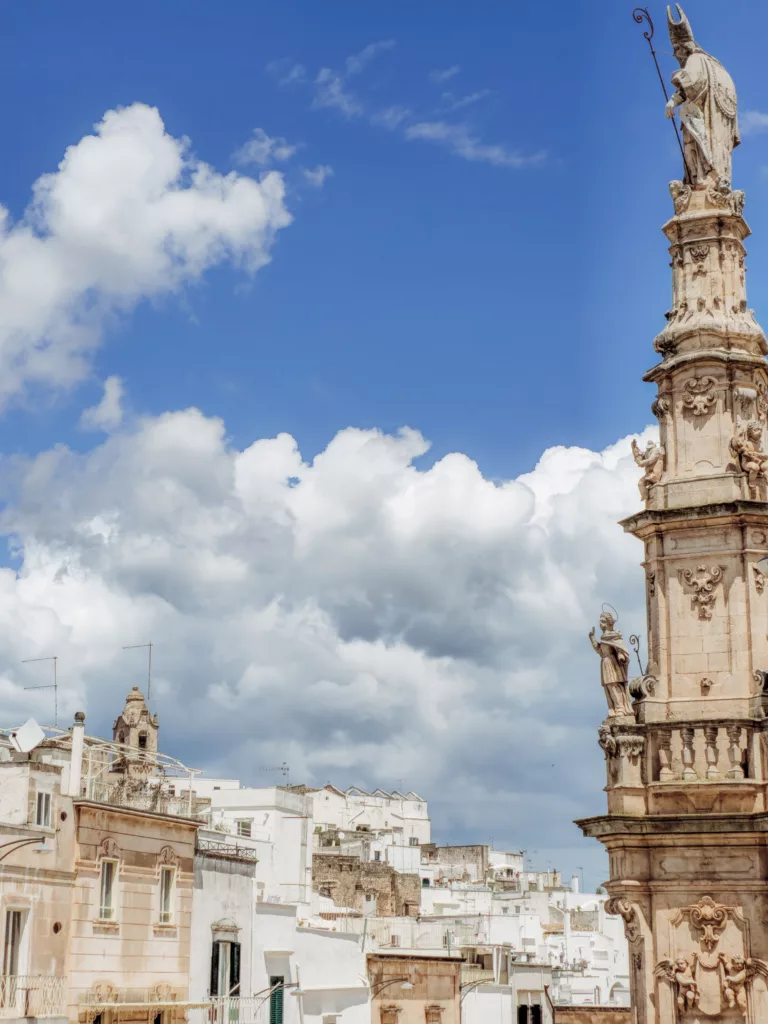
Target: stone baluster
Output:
{"points": [[734, 752], [665, 756], [689, 772], [710, 734]]}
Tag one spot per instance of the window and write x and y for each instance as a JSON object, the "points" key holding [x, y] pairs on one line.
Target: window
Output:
{"points": [[244, 827], [505, 910], [394, 940], [225, 969], [276, 996], [425, 883], [142, 741], [12, 949], [167, 879], [107, 890], [43, 812], [413, 841], [433, 1014], [389, 1014], [377, 855]]}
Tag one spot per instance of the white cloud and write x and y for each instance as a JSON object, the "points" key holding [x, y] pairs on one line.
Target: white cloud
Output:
{"points": [[263, 149], [360, 617], [331, 92], [108, 414], [458, 103], [439, 76], [286, 72], [358, 61], [459, 140], [318, 176], [752, 121], [391, 117], [129, 214]]}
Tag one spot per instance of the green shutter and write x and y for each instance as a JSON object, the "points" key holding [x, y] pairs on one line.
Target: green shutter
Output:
{"points": [[276, 1001]]}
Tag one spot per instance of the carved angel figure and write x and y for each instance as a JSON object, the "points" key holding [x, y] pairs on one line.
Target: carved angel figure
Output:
{"points": [[737, 974], [705, 97], [747, 449], [652, 461], [614, 663], [682, 975]]}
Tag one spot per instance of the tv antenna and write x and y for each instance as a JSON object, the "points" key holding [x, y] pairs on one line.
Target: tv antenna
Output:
{"points": [[284, 770], [149, 646], [48, 686]]}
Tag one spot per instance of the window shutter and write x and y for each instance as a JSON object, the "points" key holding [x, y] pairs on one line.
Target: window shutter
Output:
{"points": [[215, 969], [276, 1001], [234, 969]]}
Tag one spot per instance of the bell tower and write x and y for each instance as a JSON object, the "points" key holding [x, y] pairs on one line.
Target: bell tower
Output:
{"points": [[136, 726], [687, 763]]}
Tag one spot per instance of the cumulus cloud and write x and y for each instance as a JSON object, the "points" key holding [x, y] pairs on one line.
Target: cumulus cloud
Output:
{"points": [[108, 414], [129, 214], [360, 616], [262, 149], [317, 176], [287, 72], [462, 142]]}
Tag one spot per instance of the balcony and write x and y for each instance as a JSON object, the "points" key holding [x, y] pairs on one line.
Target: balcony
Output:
{"points": [[143, 795], [32, 995]]}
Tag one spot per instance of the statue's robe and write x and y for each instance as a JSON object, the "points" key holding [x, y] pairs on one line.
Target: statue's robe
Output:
{"points": [[709, 120]]}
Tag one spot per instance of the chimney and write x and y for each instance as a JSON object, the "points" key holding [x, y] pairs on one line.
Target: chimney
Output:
{"points": [[76, 763], [574, 883]]}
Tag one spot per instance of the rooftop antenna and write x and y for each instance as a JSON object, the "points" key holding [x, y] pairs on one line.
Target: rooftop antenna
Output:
{"points": [[283, 769], [149, 646], [640, 14], [48, 686]]}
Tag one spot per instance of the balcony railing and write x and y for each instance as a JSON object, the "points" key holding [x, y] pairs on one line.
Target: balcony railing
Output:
{"points": [[35, 995], [140, 795], [226, 1010]]}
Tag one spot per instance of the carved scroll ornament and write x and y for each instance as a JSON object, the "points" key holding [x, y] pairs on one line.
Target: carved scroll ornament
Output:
{"points": [[704, 581], [620, 907], [699, 395]]}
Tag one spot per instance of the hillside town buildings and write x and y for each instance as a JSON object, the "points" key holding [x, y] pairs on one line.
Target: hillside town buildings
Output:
{"points": [[133, 888]]}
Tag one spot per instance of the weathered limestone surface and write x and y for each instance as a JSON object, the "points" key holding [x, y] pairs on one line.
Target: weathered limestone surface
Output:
{"points": [[687, 823]]}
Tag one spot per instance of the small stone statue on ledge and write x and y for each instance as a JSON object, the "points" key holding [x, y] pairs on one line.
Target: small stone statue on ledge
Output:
{"points": [[747, 449], [614, 666], [652, 461]]}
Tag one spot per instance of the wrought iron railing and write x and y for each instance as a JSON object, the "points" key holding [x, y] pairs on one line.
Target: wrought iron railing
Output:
{"points": [[32, 995]]}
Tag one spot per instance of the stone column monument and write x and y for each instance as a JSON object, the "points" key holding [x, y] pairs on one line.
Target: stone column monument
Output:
{"points": [[686, 744]]}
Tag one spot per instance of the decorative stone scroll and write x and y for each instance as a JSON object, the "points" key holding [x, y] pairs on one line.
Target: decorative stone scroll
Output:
{"points": [[704, 580], [168, 856], [108, 848], [699, 395], [660, 406], [620, 907], [708, 918]]}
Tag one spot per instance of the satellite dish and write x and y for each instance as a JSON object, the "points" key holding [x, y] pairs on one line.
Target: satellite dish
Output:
{"points": [[342, 835], [27, 736]]}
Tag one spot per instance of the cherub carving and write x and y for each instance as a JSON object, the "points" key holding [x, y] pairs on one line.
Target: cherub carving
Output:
{"points": [[747, 449], [682, 975], [737, 974], [652, 461]]}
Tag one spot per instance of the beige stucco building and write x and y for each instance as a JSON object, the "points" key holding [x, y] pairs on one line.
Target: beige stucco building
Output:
{"points": [[96, 880]]}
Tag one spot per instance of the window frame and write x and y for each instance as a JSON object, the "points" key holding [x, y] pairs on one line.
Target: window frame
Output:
{"points": [[247, 830], [110, 917], [44, 801], [167, 915]]}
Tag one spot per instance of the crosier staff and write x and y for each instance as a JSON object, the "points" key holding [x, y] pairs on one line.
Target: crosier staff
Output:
{"points": [[640, 14]]}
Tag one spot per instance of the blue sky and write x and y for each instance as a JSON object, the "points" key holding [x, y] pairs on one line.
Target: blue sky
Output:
{"points": [[482, 263]]}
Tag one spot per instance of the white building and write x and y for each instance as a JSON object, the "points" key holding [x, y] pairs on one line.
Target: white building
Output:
{"points": [[405, 815]]}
